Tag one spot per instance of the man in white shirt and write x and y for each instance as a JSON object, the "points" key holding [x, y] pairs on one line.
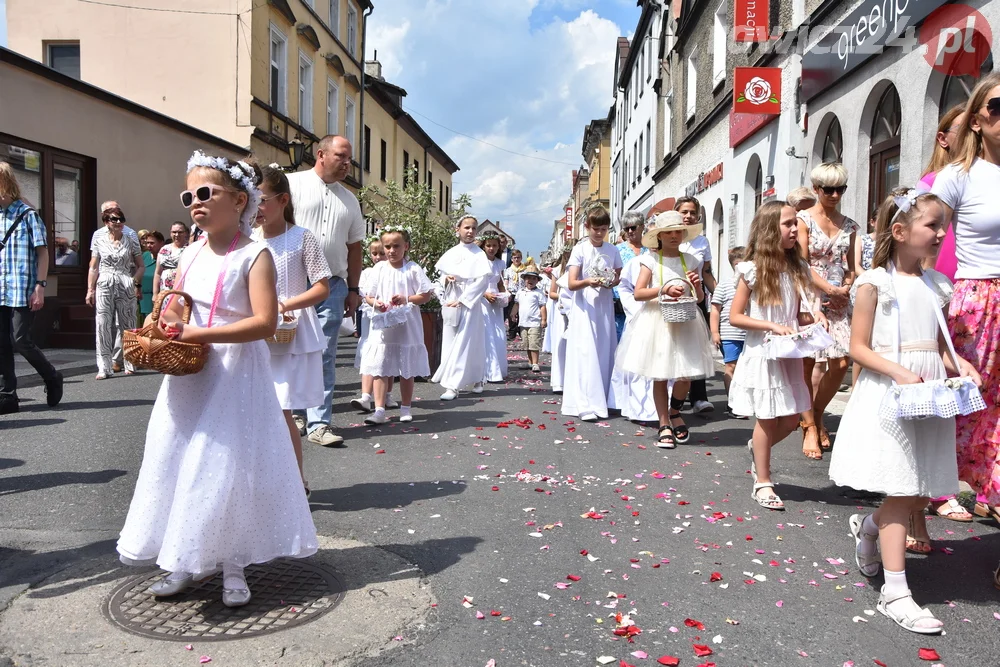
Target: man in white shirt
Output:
{"points": [[117, 358], [701, 249], [332, 213]]}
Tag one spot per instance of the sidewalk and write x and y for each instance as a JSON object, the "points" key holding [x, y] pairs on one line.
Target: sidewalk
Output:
{"points": [[68, 362]]}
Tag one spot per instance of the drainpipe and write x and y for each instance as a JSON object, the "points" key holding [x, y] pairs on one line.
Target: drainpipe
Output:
{"points": [[364, 85]]}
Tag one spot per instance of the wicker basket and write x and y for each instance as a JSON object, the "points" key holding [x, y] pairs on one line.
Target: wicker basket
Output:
{"points": [[149, 347], [285, 333], [680, 309]]}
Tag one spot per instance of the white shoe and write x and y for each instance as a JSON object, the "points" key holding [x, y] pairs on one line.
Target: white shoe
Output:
{"points": [[588, 417], [535, 368], [377, 418], [449, 395], [389, 403], [362, 404], [477, 388], [702, 406], [557, 390], [404, 415]]}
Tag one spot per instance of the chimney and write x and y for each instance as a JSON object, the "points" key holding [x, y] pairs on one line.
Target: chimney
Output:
{"points": [[373, 68]]}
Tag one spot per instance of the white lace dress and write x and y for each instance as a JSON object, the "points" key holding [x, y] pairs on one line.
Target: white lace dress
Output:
{"points": [[397, 350], [298, 366], [218, 482], [908, 457], [761, 387], [366, 317]]}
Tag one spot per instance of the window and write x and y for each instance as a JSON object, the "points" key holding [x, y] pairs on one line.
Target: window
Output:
{"points": [[384, 153], [958, 88], [649, 136], [883, 172], [441, 196], [637, 86], [334, 22], [64, 58], [279, 45], [349, 121], [406, 168], [305, 92], [332, 107], [416, 171], [833, 143], [430, 180], [638, 162], [719, 46], [352, 29], [692, 86], [635, 161], [367, 149], [758, 187], [642, 66], [447, 199], [649, 57]]}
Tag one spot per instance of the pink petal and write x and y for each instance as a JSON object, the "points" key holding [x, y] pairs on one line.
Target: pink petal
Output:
{"points": [[204, 659]]}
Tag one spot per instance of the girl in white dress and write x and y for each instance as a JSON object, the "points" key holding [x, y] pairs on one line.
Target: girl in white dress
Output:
{"points": [[560, 303], [376, 254], [395, 291], [653, 348], [774, 391], [633, 393], [464, 275], [218, 483], [303, 281], [594, 267], [907, 460], [494, 302]]}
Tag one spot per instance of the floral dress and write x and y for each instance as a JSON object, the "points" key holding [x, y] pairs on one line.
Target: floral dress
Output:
{"points": [[828, 258], [169, 258], [867, 251]]}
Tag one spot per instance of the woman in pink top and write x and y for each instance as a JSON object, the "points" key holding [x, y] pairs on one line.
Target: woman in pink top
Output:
{"points": [[944, 140]]}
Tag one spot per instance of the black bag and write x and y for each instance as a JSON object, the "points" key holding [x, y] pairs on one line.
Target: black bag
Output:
{"points": [[619, 308], [10, 230]]}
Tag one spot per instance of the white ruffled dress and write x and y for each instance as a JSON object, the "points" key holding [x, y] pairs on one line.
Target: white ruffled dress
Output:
{"points": [[366, 317], [906, 457], [396, 350], [761, 387], [496, 328]]}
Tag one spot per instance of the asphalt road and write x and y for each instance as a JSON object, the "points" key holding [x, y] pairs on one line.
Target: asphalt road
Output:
{"points": [[493, 517]]}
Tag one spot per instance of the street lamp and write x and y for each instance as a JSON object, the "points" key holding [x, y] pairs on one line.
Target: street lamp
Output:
{"points": [[296, 152]]}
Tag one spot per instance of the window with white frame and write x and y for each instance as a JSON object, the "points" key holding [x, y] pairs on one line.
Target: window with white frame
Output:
{"points": [[635, 161], [335, 17], [639, 162], [279, 69], [305, 92], [349, 120], [352, 29], [692, 85], [332, 107], [649, 56], [649, 140], [637, 86], [719, 46], [642, 67]]}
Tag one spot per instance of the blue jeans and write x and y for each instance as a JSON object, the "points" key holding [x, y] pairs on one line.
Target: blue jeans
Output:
{"points": [[331, 314]]}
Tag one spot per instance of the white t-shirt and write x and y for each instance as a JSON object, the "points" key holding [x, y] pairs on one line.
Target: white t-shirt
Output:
{"points": [[529, 306], [331, 212], [973, 196], [701, 250]]}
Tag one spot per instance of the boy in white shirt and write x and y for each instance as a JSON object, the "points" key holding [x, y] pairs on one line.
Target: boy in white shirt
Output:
{"points": [[529, 308]]}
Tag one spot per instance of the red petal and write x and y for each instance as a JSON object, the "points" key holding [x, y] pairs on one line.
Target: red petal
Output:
{"points": [[624, 664], [573, 577], [683, 502], [381, 451], [496, 488], [494, 612], [583, 552], [701, 650], [691, 623], [749, 538], [716, 576], [669, 660], [880, 663], [928, 654]]}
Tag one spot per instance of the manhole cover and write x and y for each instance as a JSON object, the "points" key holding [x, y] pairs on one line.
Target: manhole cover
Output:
{"points": [[286, 593]]}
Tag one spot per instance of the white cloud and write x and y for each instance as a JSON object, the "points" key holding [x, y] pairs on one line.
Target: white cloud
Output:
{"points": [[510, 73]]}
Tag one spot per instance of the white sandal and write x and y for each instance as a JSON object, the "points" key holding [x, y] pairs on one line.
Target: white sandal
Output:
{"points": [[910, 617], [869, 565], [773, 502]]}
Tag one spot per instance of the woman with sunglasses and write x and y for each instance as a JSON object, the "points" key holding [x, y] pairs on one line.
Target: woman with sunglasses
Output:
{"points": [[169, 258], [968, 188], [826, 241], [114, 283]]}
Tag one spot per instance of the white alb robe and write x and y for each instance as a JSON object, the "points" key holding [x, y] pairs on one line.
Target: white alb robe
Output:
{"points": [[496, 330], [462, 360], [557, 329], [632, 394]]}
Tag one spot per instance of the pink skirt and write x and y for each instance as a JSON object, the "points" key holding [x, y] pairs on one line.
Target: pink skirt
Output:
{"points": [[974, 321]]}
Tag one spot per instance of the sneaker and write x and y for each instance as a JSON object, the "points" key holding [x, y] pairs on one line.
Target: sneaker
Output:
{"points": [[300, 423], [404, 414], [732, 415], [449, 395], [390, 404], [702, 406], [362, 404], [477, 388], [535, 368], [377, 418], [9, 406], [325, 436], [54, 390]]}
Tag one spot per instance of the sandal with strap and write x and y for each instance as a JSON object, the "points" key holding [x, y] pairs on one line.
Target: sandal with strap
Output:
{"points": [[824, 438], [869, 565], [908, 615], [817, 454], [665, 438], [772, 502], [753, 463], [984, 510], [952, 510], [681, 432], [917, 545]]}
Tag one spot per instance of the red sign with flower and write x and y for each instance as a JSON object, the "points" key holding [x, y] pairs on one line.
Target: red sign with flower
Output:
{"points": [[757, 90]]}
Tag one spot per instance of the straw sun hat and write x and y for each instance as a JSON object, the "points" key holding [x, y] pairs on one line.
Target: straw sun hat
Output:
{"points": [[668, 221]]}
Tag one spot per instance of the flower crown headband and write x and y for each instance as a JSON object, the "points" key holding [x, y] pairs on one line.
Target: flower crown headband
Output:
{"points": [[393, 229], [488, 236], [239, 171], [906, 202]]}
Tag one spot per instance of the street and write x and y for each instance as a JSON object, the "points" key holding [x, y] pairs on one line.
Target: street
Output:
{"points": [[529, 533]]}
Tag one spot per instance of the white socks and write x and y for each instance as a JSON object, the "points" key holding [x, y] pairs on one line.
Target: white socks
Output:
{"points": [[869, 535], [895, 584], [232, 577], [404, 410], [366, 397], [379, 413]]}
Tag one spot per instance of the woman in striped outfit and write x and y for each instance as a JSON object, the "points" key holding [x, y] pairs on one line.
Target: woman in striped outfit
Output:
{"points": [[113, 284]]}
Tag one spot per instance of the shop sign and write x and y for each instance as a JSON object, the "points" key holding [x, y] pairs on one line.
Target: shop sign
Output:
{"points": [[757, 90], [742, 126], [751, 18], [767, 195], [705, 180], [569, 218], [867, 31], [733, 224]]}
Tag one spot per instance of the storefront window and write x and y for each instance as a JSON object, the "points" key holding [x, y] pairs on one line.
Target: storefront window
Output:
{"points": [[66, 223], [883, 174], [758, 187], [958, 89], [833, 143]]}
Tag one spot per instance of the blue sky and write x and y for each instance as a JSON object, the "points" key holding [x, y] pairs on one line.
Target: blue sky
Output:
{"points": [[526, 75]]}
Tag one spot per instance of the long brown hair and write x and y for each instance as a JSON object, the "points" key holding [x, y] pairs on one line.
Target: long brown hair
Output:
{"points": [[941, 156], [885, 244], [765, 251], [968, 144], [277, 182]]}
